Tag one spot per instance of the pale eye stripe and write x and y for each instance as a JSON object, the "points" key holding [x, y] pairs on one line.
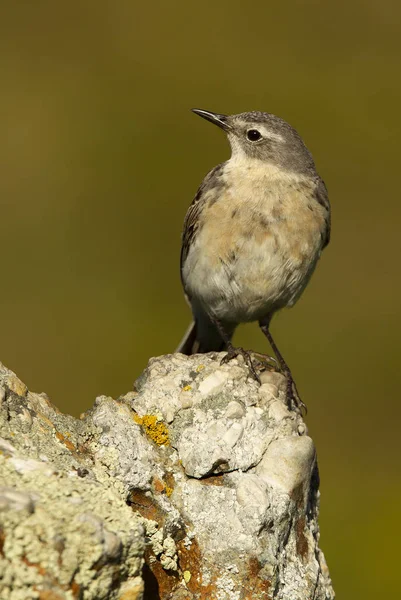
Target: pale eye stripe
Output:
{"points": [[272, 136]]}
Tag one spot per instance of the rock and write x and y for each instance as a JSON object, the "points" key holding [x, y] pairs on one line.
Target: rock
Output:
{"points": [[197, 485]]}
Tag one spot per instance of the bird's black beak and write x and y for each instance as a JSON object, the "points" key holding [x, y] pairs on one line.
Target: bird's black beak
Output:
{"points": [[219, 120]]}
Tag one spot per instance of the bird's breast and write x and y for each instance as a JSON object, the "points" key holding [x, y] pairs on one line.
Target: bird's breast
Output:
{"points": [[257, 245]]}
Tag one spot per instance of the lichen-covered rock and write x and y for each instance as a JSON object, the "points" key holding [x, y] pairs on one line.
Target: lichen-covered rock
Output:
{"points": [[199, 473], [65, 532]]}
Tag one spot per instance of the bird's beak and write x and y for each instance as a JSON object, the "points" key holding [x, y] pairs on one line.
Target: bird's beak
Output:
{"points": [[219, 120]]}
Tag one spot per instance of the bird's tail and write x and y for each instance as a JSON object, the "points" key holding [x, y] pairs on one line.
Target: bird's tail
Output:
{"points": [[200, 339]]}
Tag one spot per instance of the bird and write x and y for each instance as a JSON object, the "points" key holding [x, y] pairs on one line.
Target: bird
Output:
{"points": [[252, 236]]}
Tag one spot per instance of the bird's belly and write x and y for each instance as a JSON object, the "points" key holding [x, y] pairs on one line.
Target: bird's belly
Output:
{"points": [[242, 275]]}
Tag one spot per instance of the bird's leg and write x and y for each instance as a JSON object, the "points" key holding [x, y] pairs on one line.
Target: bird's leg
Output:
{"points": [[232, 351], [292, 392]]}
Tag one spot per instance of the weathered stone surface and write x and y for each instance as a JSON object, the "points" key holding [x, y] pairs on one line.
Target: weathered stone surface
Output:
{"points": [[66, 532], [199, 484]]}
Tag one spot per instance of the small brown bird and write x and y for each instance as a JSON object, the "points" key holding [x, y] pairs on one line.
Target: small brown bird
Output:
{"points": [[252, 235]]}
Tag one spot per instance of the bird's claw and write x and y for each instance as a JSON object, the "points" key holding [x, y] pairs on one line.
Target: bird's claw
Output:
{"points": [[234, 352], [266, 361], [292, 396]]}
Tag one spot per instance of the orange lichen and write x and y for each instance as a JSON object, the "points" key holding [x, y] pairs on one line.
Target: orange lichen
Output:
{"points": [[214, 480], [156, 430], [301, 541], [158, 485], [169, 481], [161, 487], [256, 586], [190, 559], [49, 595], [64, 441]]}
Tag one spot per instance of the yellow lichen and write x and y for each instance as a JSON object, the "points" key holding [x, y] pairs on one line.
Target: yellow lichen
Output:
{"points": [[186, 388], [155, 429], [168, 491], [138, 419], [187, 576], [200, 368]]}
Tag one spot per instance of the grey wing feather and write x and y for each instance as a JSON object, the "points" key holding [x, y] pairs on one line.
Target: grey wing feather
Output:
{"points": [[321, 196], [191, 225], [191, 222]]}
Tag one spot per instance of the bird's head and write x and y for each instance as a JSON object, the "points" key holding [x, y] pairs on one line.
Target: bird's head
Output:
{"points": [[263, 137]]}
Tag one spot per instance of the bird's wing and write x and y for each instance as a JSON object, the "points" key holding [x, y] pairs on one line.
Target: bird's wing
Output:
{"points": [[321, 196], [192, 221]]}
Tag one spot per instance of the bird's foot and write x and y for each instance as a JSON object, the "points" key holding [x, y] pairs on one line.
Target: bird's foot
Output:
{"points": [[293, 397], [234, 352]]}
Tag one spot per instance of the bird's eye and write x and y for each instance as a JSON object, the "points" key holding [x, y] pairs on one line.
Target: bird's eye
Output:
{"points": [[253, 135]]}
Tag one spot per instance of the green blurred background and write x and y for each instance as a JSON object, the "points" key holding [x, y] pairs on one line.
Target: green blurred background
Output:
{"points": [[99, 159]]}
